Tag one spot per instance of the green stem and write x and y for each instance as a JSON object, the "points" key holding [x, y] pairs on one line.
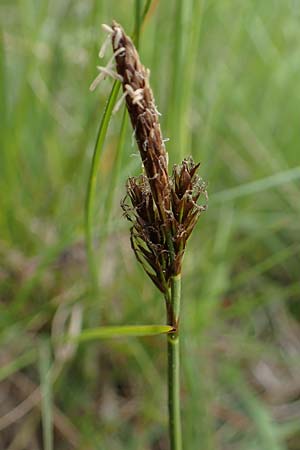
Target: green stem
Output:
{"points": [[173, 370], [116, 170], [137, 22], [91, 190]]}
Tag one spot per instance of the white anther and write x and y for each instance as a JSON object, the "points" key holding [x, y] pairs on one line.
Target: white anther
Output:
{"points": [[108, 72], [139, 75], [96, 81], [107, 28], [145, 144], [120, 50], [138, 91], [119, 102], [163, 161], [103, 47], [166, 140], [154, 177], [128, 75], [112, 59], [135, 101], [132, 137], [117, 36], [155, 109], [136, 95], [129, 89]]}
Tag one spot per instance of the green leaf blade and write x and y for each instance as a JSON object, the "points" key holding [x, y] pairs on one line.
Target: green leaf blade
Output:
{"points": [[122, 331]]}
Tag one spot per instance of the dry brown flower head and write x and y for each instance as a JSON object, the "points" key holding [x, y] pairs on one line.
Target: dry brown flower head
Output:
{"points": [[163, 208]]}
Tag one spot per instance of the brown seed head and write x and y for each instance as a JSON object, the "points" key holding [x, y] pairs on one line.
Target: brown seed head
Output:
{"points": [[162, 207], [144, 117]]}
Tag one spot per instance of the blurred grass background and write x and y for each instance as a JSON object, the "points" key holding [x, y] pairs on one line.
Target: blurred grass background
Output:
{"points": [[225, 76]]}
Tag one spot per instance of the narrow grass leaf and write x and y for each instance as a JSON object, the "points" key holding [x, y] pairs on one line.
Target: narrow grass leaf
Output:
{"points": [[266, 429], [122, 331], [116, 168], [17, 364], [146, 9], [267, 437], [91, 191], [272, 261], [137, 22], [253, 187], [46, 394]]}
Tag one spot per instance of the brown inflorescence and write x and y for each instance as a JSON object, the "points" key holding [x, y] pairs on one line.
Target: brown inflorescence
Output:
{"points": [[163, 209], [144, 117]]}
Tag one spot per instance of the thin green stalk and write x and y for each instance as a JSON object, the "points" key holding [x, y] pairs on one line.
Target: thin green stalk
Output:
{"points": [[177, 93], [46, 395], [91, 192], [138, 19], [120, 331], [174, 370], [146, 9], [117, 167]]}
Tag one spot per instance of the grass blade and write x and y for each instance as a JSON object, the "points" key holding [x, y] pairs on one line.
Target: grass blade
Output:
{"points": [[117, 166], [17, 364], [256, 186], [146, 9], [266, 428], [137, 22], [46, 395], [91, 191], [122, 331]]}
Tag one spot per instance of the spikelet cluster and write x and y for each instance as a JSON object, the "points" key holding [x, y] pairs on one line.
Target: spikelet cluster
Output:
{"points": [[163, 209]]}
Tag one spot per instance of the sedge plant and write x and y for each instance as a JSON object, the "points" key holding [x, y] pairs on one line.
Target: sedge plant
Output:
{"points": [[162, 208]]}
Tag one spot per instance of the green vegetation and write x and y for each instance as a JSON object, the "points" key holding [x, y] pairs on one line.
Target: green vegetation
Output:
{"points": [[225, 77]]}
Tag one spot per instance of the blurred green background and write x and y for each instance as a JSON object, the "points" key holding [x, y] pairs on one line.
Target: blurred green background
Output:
{"points": [[225, 75]]}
